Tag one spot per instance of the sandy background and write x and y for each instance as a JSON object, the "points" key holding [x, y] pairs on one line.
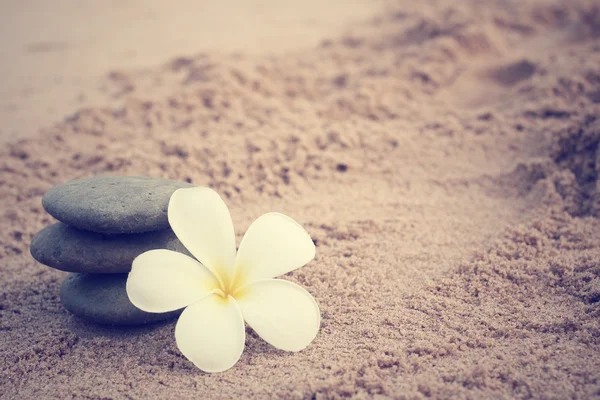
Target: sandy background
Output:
{"points": [[444, 157], [59, 54]]}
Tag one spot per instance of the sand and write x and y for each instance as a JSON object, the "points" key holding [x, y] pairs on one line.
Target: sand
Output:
{"points": [[58, 53], [444, 158]]}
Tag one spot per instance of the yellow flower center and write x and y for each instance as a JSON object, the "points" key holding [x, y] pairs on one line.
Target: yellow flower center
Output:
{"points": [[230, 285]]}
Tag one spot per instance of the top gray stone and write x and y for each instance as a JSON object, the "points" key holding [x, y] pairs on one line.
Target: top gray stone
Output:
{"points": [[113, 204]]}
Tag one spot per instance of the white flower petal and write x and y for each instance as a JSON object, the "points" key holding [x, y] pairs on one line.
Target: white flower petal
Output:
{"points": [[211, 333], [273, 245], [164, 280], [281, 312], [202, 222]]}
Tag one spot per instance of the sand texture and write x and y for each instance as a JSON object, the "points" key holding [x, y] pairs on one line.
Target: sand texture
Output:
{"points": [[56, 52], [443, 156]]}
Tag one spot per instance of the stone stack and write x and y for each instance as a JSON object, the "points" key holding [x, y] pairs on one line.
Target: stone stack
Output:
{"points": [[105, 222]]}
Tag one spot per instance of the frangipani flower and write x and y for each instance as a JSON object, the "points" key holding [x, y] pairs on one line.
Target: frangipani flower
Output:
{"points": [[221, 290]]}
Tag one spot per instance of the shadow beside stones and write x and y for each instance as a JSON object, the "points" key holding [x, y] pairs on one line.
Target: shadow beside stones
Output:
{"points": [[87, 329]]}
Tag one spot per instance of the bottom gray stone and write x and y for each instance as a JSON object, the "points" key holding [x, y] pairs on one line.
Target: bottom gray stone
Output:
{"points": [[101, 298]]}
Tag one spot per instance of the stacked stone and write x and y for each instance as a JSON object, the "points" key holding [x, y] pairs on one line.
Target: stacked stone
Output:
{"points": [[105, 222]]}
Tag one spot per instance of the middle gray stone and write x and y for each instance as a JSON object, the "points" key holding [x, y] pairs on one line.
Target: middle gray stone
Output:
{"points": [[69, 249]]}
